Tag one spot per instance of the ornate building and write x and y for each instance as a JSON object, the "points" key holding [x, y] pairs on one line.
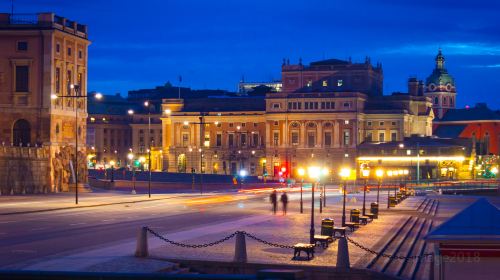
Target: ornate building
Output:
{"points": [[440, 88], [42, 55], [324, 111]]}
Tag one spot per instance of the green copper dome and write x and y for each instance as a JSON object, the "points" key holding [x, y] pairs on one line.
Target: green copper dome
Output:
{"points": [[440, 80]]}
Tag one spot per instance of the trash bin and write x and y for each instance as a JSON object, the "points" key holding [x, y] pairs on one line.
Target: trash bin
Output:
{"points": [[327, 226], [374, 209], [355, 213], [392, 201], [399, 197]]}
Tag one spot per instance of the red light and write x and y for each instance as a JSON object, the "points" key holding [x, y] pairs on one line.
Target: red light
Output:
{"points": [[283, 169]]}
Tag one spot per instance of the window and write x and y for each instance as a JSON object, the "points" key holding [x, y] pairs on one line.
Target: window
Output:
{"points": [[231, 124], [309, 83], [22, 46], [445, 100], [276, 138], [69, 51], [206, 143], [218, 140], [243, 124], [306, 105], [311, 139], [275, 123], [339, 83], [58, 80], [328, 139], [347, 105], [347, 137], [381, 123], [323, 105], [381, 136], [219, 124], [295, 137], [436, 100], [255, 140], [316, 105], [69, 80], [393, 123], [230, 140], [22, 78], [325, 83], [58, 48], [369, 136], [289, 105], [275, 105], [80, 54], [185, 139], [451, 101], [243, 139], [255, 124], [394, 136], [369, 123]]}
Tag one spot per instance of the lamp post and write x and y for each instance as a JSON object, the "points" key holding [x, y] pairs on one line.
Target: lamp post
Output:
{"points": [[112, 164], [344, 174], [365, 173], [77, 95], [325, 172], [301, 173], [379, 173], [147, 105], [243, 173], [314, 174], [130, 156], [389, 174], [405, 173]]}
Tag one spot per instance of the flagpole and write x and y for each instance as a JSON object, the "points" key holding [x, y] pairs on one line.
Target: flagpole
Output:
{"points": [[179, 87]]}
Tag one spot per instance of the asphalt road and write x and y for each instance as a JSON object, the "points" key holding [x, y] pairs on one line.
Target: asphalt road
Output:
{"points": [[29, 238]]}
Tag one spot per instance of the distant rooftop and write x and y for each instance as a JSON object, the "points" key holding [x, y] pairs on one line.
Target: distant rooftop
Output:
{"points": [[480, 112], [42, 21]]}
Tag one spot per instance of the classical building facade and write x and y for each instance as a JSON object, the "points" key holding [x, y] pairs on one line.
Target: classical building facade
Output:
{"points": [[42, 55], [324, 111]]}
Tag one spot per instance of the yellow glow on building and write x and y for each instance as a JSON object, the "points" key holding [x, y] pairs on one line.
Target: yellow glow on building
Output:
{"points": [[407, 159]]}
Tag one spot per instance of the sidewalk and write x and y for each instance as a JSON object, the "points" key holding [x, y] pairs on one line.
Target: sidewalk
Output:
{"points": [[25, 204]]}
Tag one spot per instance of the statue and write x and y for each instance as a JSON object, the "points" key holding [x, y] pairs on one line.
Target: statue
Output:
{"points": [[57, 167]]}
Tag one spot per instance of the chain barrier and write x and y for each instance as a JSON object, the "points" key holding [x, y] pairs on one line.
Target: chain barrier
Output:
{"points": [[265, 242], [191, 245], [218, 241], [387, 255]]}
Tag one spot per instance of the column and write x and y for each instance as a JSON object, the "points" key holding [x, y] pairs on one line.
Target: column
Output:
{"points": [[336, 134], [302, 143], [354, 133], [268, 135], [319, 137]]}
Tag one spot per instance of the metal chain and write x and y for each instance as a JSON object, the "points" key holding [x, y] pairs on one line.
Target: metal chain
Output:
{"points": [[190, 245], [387, 255], [265, 242]]}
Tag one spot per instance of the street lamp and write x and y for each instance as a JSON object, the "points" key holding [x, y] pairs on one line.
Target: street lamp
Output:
{"points": [[325, 172], [130, 156], [389, 174], [77, 95], [112, 163], [365, 173], [344, 174], [301, 173], [147, 105], [243, 173], [314, 173], [380, 174]]}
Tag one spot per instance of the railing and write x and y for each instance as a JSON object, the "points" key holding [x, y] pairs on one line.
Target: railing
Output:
{"points": [[23, 19]]}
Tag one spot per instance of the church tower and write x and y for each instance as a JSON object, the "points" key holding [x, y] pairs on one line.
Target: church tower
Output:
{"points": [[440, 87]]}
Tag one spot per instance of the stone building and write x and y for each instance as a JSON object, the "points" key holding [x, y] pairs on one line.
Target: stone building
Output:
{"points": [[324, 111], [42, 55]]}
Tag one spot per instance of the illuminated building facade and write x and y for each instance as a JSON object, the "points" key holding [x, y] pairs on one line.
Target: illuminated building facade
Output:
{"points": [[324, 111]]}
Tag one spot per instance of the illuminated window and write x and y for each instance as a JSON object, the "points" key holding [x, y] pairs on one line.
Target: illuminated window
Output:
{"points": [[207, 140], [347, 137], [309, 83], [325, 83], [340, 83]]}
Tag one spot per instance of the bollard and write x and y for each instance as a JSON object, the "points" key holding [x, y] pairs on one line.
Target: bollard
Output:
{"points": [[240, 248], [141, 251], [343, 254]]}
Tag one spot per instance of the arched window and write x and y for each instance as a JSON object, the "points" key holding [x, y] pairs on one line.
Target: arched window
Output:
{"points": [[21, 132], [436, 100]]}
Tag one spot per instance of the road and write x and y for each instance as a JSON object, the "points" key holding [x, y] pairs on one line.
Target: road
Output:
{"points": [[28, 238]]}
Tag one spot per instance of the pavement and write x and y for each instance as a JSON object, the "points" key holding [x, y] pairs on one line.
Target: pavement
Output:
{"points": [[103, 238]]}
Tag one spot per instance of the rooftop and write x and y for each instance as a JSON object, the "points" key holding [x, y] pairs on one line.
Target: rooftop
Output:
{"points": [[477, 113], [42, 21]]}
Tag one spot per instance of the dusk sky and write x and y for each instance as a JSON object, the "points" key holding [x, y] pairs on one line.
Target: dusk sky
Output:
{"points": [[142, 44]]}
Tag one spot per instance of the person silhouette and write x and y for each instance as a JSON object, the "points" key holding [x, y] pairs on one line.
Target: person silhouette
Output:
{"points": [[284, 201], [274, 201]]}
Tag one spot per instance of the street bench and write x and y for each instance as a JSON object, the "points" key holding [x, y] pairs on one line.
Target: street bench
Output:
{"points": [[352, 226], [303, 247], [363, 220], [370, 216], [340, 230], [323, 240]]}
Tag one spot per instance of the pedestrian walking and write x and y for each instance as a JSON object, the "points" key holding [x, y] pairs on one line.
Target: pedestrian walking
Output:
{"points": [[274, 201], [284, 200]]}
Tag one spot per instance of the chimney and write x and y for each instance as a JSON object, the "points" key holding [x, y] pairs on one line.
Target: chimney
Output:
{"points": [[421, 88], [413, 86]]}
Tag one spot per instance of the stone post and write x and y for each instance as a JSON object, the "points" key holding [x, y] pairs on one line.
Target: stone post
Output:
{"points": [[343, 254], [240, 249], [141, 250]]}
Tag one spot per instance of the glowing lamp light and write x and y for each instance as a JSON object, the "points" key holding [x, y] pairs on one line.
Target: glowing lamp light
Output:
{"points": [[130, 156], [406, 172], [146, 103], [71, 86], [379, 173], [130, 112], [301, 172], [345, 172], [494, 170], [98, 95], [216, 123], [401, 145], [365, 173], [112, 163], [142, 159], [53, 96], [243, 173], [185, 122], [325, 171], [400, 171], [389, 173], [314, 172], [168, 111], [283, 169]]}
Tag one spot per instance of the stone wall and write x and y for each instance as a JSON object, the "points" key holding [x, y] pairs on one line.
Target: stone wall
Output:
{"points": [[24, 170]]}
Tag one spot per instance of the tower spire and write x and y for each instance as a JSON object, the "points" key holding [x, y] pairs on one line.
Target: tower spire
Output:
{"points": [[439, 60]]}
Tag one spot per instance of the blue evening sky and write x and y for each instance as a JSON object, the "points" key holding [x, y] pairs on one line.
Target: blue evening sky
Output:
{"points": [[141, 44]]}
